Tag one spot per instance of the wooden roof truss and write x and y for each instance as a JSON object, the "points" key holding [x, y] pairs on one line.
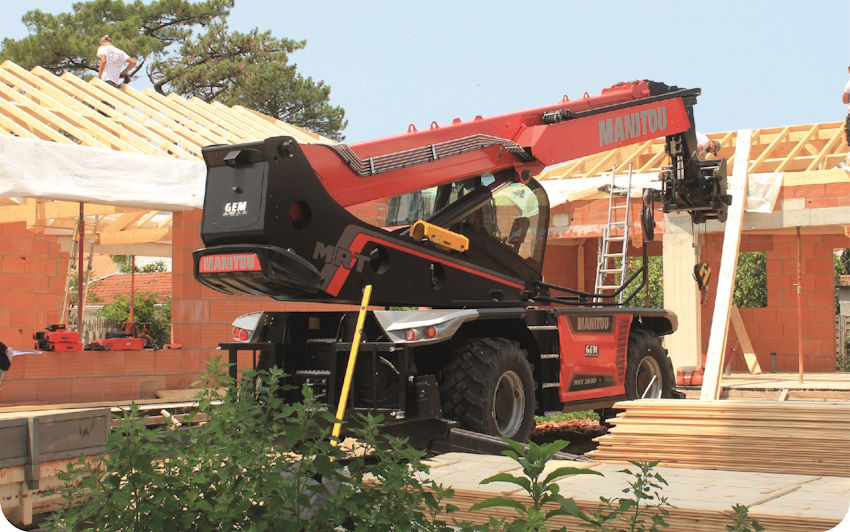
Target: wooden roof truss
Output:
{"points": [[37, 104]]}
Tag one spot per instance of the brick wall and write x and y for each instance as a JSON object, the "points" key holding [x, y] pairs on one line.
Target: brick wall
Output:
{"points": [[55, 378], [773, 329], [201, 318], [32, 278]]}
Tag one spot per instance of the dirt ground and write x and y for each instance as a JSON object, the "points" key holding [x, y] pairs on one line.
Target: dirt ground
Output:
{"points": [[579, 432]]}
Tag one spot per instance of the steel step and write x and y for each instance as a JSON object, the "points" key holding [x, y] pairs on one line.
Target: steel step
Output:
{"points": [[550, 356], [550, 385], [543, 327]]}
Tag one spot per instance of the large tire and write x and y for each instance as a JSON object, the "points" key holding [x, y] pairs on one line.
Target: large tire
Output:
{"points": [[646, 358], [488, 387]]}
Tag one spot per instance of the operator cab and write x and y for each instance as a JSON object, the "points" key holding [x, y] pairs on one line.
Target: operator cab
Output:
{"points": [[505, 221]]}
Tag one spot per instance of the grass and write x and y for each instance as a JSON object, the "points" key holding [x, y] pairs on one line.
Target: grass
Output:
{"points": [[567, 416]]}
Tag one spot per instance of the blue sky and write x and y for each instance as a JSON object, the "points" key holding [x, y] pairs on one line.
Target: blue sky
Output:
{"points": [[758, 63]]}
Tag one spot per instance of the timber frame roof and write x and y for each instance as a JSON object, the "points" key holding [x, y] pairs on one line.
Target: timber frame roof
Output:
{"points": [[37, 104], [808, 147]]}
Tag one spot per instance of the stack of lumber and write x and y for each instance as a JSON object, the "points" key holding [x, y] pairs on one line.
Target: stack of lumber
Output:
{"points": [[799, 437], [701, 500]]}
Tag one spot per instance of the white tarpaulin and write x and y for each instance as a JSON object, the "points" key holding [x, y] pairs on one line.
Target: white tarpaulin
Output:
{"points": [[43, 169], [762, 189]]}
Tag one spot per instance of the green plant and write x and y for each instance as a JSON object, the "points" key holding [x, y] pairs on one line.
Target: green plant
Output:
{"points": [[147, 310], [567, 416], [751, 280], [654, 282], [541, 491], [743, 521], [256, 462], [631, 512], [124, 263]]}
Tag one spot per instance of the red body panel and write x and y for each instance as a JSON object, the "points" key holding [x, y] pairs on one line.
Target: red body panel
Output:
{"points": [[547, 143], [593, 356], [362, 239]]}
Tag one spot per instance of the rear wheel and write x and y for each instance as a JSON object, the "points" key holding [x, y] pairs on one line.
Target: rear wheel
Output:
{"points": [[649, 373], [488, 387]]}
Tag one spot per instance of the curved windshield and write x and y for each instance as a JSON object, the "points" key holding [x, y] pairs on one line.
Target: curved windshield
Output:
{"points": [[514, 214]]}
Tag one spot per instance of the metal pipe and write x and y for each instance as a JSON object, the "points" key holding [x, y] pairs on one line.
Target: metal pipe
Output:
{"points": [[132, 286], [799, 307], [82, 237], [352, 360]]}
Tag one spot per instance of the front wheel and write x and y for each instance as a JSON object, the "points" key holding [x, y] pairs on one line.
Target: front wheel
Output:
{"points": [[649, 373], [488, 387]]}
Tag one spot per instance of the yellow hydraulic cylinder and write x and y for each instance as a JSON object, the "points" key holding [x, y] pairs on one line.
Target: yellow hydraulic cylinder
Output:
{"points": [[352, 360], [441, 237]]}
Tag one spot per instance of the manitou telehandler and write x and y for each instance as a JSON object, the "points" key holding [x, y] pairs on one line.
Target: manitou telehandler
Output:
{"points": [[449, 227]]}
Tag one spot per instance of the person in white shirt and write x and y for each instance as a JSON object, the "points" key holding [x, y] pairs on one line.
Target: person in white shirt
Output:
{"points": [[706, 145], [111, 61], [845, 98]]}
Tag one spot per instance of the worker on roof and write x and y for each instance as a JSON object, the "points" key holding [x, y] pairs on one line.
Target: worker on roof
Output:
{"points": [[706, 145], [111, 61], [845, 98]]}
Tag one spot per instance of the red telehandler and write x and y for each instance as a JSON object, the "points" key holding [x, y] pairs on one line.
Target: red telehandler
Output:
{"points": [[461, 239]]}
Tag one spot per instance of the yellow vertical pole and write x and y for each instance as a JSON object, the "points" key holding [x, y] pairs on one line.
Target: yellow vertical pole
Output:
{"points": [[352, 360]]}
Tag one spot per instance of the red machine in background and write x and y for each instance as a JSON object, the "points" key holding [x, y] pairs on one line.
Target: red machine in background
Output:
{"points": [[133, 336], [57, 338]]}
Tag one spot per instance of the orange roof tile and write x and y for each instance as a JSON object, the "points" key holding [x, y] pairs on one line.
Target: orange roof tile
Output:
{"points": [[112, 287]]}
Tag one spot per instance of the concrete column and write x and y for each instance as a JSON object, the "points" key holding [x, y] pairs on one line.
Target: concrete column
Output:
{"points": [[681, 294]]}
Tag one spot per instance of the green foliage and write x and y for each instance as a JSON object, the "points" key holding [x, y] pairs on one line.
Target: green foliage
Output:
{"points": [[654, 282], [542, 491], [751, 280], [630, 513], [567, 416], [91, 297], [146, 310], [124, 265], [743, 521], [257, 463], [185, 47]]}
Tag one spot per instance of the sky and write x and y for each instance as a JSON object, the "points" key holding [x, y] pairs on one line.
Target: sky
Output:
{"points": [[392, 63]]}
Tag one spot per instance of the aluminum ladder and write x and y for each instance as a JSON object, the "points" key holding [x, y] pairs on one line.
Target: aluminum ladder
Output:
{"points": [[611, 266]]}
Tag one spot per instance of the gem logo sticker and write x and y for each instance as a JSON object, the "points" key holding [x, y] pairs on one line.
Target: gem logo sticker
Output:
{"points": [[235, 208]]}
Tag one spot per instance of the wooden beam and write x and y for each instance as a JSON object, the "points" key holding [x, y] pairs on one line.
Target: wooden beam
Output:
{"points": [[829, 147], [135, 236], [122, 222], [744, 338], [728, 266]]}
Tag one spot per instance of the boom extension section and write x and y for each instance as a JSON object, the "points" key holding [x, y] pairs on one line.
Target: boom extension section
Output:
{"points": [[279, 216]]}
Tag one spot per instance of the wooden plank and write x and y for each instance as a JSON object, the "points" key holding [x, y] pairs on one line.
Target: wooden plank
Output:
{"points": [[37, 111], [728, 267], [126, 116], [71, 109], [741, 332], [39, 128], [199, 124], [833, 142], [135, 236]]}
